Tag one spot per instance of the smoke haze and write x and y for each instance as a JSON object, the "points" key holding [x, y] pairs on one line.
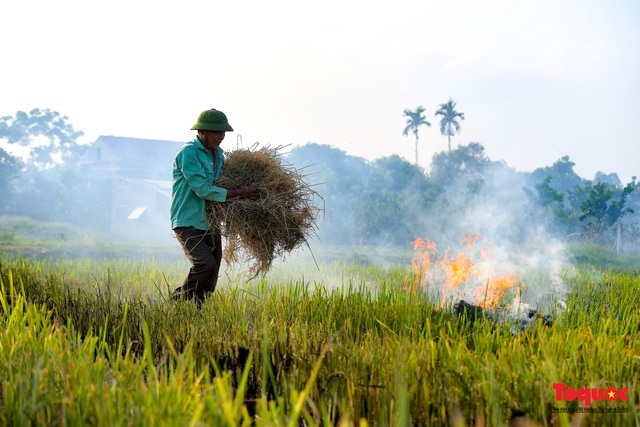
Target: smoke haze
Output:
{"points": [[373, 211]]}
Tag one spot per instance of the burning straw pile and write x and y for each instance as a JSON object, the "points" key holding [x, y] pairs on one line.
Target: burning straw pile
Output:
{"points": [[281, 220]]}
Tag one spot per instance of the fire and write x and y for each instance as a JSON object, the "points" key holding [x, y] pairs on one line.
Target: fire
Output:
{"points": [[455, 271], [489, 296], [469, 240], [424, 249], [458, 270]]}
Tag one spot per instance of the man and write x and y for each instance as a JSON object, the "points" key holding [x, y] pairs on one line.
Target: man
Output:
{"points": [[196, 170]]}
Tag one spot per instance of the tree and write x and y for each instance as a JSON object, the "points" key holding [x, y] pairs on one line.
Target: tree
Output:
{"points": [[565, 179], [39, 169], [466, 164], [47, 136], [449, 124], [551, 203], [9, 167], [609, 178], [398, 197], [385, 200], [601, 210], [340, 180], [546, 194], [415, 119]]}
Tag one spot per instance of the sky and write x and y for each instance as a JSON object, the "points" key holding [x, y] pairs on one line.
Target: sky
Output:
{"points": [[536, 80]]}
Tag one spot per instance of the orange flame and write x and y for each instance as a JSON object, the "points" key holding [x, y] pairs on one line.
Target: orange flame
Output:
{"points": [[458, 270], [453, 271], [421, 263], [489, 296], [469, 240]]}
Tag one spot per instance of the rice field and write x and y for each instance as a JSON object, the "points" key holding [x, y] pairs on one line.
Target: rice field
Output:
{"points": [[338, 341]]}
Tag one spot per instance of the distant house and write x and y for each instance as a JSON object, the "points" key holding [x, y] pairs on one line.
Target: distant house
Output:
{"points": [[140, 174]]}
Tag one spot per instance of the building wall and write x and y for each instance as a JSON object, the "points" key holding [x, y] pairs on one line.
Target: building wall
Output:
{"points": [[139, 210]]}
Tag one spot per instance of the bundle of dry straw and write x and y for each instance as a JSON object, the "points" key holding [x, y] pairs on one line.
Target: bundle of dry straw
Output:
{"points": [[281, 220]]}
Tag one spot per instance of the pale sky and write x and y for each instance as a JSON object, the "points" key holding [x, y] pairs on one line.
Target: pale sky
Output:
{"points": [[536, 80]]}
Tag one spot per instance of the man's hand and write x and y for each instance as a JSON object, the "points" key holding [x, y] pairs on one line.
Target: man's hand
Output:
{"points": [[244, 193]]}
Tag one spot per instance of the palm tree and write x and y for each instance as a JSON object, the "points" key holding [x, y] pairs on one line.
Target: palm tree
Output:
{"points": [[448, 124], [415, 119]]}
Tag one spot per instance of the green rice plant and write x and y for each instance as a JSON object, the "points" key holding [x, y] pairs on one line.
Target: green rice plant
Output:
{"points": [[286, 349], [52, 375]]}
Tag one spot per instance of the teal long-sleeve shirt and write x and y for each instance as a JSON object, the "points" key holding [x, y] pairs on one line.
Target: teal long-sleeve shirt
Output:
{"points": [[194, 177]]}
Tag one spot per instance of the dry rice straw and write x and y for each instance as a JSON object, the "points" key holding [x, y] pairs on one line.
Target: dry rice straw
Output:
{"points": [[281, 220]]}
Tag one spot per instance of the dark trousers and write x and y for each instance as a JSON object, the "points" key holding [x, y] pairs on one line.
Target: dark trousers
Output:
{"points": [[204, 251]]}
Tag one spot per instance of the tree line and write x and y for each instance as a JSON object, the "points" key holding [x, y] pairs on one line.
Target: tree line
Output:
{"points": [[392, 201], [48, 186], [386, 201]]}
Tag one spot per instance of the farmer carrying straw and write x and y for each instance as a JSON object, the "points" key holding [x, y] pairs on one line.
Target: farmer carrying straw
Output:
{"points": [[196, 170]]}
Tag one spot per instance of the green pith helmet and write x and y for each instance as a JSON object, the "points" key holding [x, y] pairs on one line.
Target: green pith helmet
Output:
{"points": [[212, 120]]}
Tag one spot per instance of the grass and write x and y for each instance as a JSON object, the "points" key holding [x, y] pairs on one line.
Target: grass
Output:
{"points": [[94, 341]]}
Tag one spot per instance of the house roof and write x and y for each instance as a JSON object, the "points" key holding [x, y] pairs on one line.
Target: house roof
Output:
{"points": [[115, 148], [131, 156]]}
